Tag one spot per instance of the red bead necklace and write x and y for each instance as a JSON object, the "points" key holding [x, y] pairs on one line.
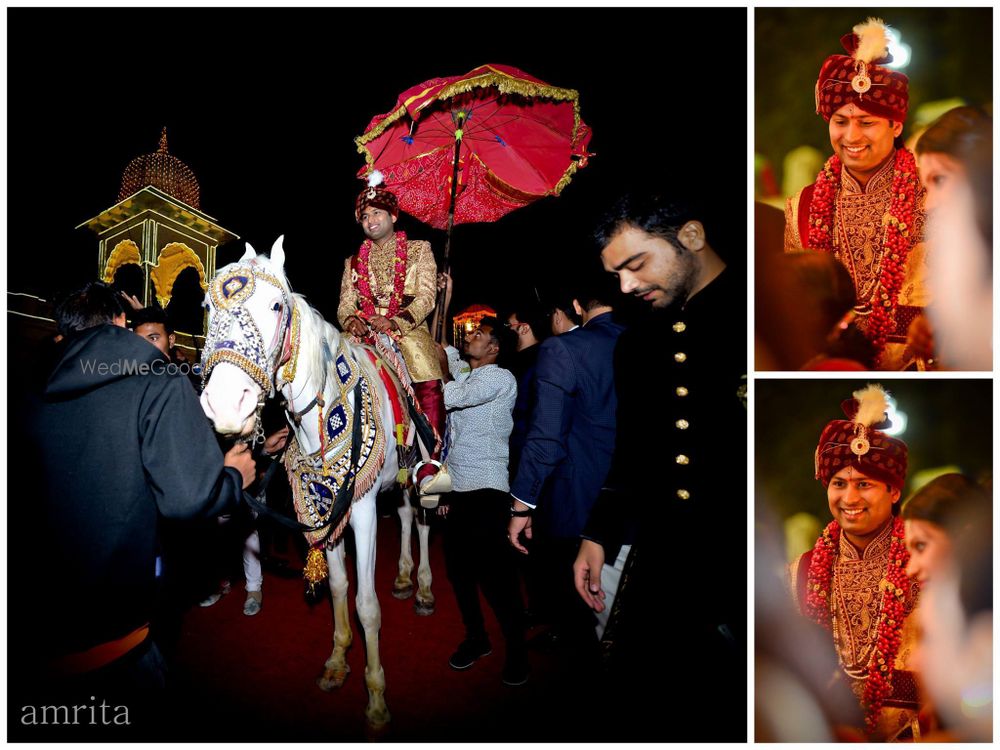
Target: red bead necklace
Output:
{"points": [[367, 299], [895, 587], [897, 240]]}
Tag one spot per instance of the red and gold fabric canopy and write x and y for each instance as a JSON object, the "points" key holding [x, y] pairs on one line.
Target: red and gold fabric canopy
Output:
{"points": [[519, 139]]}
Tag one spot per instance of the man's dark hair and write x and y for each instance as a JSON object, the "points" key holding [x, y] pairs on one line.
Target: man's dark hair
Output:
{"points": [[593, 290], [152, 314], [898, 141], [96, 304], [652, 213], [530, 311], [562, 299], [503, 337]]}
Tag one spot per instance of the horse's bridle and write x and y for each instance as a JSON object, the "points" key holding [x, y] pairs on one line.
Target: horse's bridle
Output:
{"points": [[245, 349], [264, 365]]}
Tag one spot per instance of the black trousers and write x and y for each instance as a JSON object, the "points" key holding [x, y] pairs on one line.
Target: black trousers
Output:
{"points": [[566, 611], [479, 557]]}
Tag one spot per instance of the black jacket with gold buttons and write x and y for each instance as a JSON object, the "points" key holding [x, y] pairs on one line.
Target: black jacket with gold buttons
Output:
{"points": [[679, 468]]}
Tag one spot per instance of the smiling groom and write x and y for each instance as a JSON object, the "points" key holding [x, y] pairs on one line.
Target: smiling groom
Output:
{"points": [[867, 205], [389, 286], [853, 582]]}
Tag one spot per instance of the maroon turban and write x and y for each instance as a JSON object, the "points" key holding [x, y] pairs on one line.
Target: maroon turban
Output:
{"points": [[859, 442], [375, 195], [859, 77]]}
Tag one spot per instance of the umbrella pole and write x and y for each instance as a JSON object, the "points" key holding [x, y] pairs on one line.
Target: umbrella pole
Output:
{"points": [[445, 265]]}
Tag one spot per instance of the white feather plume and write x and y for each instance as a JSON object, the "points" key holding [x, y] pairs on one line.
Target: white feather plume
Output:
{"points": [[873, 40], [872, 405], [375, 179]]}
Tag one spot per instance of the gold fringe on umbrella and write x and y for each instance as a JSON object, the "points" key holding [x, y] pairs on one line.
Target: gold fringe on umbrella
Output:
{"points": [[505, 83]]}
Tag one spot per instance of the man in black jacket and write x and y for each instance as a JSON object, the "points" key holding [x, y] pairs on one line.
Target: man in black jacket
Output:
{"points": [[117, 440], [676, 490], [525, 320]]}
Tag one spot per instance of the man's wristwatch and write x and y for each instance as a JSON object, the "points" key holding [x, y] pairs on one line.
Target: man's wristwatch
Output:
{"points": [[521, 513]]}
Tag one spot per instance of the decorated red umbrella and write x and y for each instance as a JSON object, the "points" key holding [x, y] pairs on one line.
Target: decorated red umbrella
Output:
{"points": [[516, 139], [473, 148]]}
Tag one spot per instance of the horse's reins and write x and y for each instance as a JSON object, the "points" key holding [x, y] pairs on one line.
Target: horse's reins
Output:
{"points": [[346, 490], [317, 401], [252, 362], [344, 493], [290, 350]]}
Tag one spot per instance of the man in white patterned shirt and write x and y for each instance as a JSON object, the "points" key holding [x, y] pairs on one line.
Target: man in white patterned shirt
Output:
{"points": [[476, 553]]}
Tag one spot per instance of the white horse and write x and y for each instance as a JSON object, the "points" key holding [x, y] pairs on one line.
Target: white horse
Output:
{"points": [[262, 338]]}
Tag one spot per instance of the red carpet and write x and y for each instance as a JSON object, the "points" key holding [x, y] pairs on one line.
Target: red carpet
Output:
{"points": [[239, 678]]}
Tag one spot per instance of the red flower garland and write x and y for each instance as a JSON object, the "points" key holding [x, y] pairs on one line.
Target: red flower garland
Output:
{"points": [[896, 242], [367, 299], [895, 587], [820, 578]]}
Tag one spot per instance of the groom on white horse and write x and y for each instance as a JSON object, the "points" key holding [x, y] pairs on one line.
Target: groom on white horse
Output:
{"points": [[389, 286]]}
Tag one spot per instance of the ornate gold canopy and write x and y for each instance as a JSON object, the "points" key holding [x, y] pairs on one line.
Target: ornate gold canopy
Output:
{"points": [[164, 171]]}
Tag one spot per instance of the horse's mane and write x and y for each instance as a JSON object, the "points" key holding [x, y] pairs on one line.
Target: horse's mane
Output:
{"points": [[313, 330]]}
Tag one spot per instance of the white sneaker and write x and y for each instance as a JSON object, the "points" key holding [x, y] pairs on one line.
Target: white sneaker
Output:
{"points": [[224, 588], [253, 603], [436, 484], [210, 600]]}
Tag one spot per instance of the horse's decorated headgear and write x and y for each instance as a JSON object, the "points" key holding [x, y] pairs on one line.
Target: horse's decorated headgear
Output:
{"points": [[859, 441], [376, 194], [860, 77], [233, 336]]}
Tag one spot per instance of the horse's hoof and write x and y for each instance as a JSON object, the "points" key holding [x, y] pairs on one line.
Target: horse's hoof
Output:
{"points": [[333, 679], [402, 592], [329, 684], [377, 718], [423, 608]]}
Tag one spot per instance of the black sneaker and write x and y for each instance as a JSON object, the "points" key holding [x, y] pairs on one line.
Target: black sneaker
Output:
{"points": [[515, 672], [468, 652], [547, 641]]}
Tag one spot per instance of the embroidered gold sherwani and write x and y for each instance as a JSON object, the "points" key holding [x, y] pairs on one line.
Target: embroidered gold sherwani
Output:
{"points": [[857, 242], [419, 293], [856, 607]]}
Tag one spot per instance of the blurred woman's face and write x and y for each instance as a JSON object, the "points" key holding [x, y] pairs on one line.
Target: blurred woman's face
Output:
{"points": [[940, 174], [959, 277], [929, 548]]}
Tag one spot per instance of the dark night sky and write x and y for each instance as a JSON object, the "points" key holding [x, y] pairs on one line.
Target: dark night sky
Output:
{"points": [[263, 105]]}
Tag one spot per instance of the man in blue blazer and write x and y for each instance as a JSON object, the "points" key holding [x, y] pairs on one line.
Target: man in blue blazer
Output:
{"points": [[567, 454]]}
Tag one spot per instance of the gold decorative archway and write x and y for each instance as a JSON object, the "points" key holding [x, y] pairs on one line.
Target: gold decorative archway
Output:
{"points": [[125, 252], [174, 258]]}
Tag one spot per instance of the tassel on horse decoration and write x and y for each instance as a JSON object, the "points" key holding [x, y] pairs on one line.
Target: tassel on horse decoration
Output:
{"points": [[316, 569]]}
